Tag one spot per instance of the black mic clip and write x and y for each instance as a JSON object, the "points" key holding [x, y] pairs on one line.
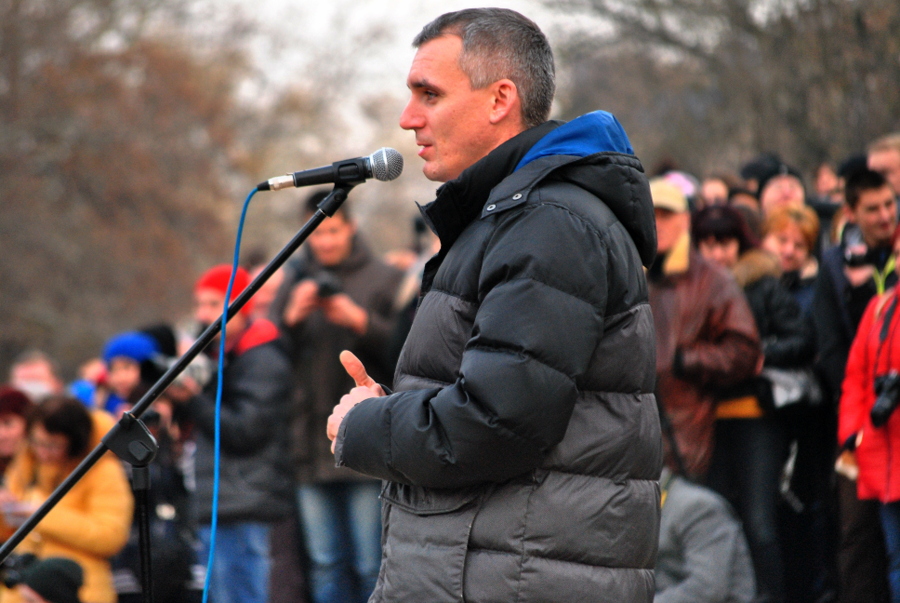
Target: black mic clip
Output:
{"points": [[384, 164], [349, 171]]}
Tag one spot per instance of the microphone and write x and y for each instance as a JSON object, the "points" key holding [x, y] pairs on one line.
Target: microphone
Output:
{"points": [[384, 164]]}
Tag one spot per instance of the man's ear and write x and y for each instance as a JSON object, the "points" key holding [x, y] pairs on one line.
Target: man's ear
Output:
{"points": [[506, 102], [848, 213]]}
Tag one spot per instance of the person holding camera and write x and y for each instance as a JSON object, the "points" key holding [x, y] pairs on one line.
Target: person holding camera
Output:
{"points": [[336, 296], [851, 274], [868, 423]]}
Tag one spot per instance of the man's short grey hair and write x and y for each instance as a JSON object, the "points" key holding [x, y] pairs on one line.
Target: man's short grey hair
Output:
{"points": [[498, 44]]}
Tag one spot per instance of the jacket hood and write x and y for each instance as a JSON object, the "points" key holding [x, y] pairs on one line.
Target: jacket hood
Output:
{"points": [[754, 265], [593, 152], [597, 132], [261, 331]]}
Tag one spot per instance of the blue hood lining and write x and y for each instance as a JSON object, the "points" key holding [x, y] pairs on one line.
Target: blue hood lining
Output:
{"points": [[595, 132]]}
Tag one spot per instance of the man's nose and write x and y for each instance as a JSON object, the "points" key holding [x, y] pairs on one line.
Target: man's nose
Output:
{"points": [[410, 119]]}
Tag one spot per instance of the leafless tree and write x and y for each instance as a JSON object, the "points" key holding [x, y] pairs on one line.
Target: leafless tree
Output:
{"points": [[115, 149], [713, 82]]}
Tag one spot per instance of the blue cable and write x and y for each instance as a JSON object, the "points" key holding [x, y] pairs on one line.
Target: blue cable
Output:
{"points": [[217, 445]]}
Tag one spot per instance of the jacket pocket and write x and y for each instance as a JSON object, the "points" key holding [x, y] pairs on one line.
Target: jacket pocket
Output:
{"points": [[425, 542], [428, 501]]}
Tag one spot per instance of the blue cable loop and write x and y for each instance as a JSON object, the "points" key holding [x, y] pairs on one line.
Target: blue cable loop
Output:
{"points": [[217, 445]]}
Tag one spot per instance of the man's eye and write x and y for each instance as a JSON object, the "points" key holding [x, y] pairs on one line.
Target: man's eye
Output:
{"points": [[429, 95]]}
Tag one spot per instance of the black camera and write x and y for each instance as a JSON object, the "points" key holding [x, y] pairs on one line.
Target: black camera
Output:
{"points": [[853, 246], [887, 388], [328, 284], [12, 567]]}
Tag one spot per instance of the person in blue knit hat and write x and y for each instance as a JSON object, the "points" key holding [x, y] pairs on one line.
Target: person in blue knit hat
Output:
{"points": [[129, 360]]}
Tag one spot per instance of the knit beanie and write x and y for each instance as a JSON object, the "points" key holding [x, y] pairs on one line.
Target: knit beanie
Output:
{"points": [[56, 579], [136, 346], [13, 402], [217, 278]]}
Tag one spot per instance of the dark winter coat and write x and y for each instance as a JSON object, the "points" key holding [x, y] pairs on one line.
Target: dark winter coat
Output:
{"points": [[316, 343], [522, 447], [785, 333], [786, 339], [837, 309], [255, 479]]}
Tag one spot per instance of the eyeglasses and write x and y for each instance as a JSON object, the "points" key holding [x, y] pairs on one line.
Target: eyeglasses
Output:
{"points": [[47, 445]]}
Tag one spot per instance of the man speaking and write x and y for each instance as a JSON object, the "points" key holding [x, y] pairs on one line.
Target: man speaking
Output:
{"points": [[522, 446]]}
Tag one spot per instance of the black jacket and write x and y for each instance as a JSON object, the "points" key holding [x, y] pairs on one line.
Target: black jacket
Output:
{"points": [[785, 333], [522, 447], [255, 478], [837, 308], [315, 344]]}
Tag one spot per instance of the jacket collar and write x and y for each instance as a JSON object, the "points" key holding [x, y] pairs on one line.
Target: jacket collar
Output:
{"points": [[259, 332], [461, 201], [753, 265], [592, 152], [678, 259]]}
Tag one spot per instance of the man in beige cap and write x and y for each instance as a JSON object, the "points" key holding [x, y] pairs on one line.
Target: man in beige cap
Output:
{"points": [[705, 334]]}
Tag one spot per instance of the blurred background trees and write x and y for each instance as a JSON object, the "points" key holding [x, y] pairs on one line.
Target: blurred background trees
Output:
{"points": [[710, 83], [113, 152], [131, 130], [127, 144]]}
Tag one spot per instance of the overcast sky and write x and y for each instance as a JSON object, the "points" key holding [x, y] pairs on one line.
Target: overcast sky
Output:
{"points": [[369, 44], [295, 31]]}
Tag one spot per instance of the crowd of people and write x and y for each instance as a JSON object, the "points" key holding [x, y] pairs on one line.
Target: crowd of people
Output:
{"points": [[759, 298], [774, 312], [291, 526]]}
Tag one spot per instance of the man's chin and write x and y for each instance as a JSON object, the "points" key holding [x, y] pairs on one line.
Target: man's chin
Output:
{"points": [[438, 172], [433, 172]]}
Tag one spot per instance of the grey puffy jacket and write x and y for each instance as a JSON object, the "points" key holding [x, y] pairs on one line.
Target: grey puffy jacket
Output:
{"points": [[522, 447]]}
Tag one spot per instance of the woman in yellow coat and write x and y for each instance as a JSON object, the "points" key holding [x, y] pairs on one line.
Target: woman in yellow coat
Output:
{"points": [[91, 523]]}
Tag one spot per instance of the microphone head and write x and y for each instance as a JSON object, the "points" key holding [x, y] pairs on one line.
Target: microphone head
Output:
{"points": [[386, 164]]}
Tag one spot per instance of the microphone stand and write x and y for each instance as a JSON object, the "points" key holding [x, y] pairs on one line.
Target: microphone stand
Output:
{"points": [[129, 437]]}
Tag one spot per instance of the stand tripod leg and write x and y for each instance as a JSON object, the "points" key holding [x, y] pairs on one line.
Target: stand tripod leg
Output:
{"points": [[141, 477]]}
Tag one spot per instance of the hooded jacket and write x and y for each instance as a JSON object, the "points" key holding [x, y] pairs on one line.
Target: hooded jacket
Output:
{"points": [[255, 477], [785, 334], [522, 447]]}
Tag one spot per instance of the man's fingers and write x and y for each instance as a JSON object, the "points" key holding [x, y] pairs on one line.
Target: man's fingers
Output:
{"points": [[356, 370]]}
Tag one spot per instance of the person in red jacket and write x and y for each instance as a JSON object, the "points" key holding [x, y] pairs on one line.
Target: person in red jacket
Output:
{"points": [[868, 423]]}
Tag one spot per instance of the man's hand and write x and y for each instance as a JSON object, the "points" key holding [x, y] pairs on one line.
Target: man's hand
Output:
{"points": [[303, 301], [365, 388], [339, 309]]}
